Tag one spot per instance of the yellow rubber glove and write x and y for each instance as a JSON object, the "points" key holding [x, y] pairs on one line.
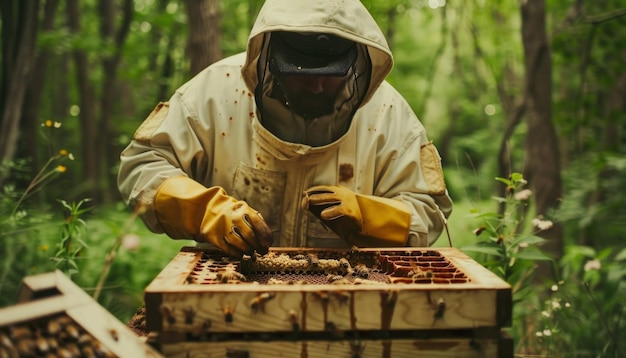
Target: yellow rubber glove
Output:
{"points": [[188, 210], [364, 220]]}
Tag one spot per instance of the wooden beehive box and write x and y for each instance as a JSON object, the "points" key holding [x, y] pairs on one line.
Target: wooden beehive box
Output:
{"points": [[382, 302], [55, 318]]}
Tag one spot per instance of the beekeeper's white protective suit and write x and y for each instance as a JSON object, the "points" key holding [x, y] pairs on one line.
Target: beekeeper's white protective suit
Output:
{"points": [[224, 148]]}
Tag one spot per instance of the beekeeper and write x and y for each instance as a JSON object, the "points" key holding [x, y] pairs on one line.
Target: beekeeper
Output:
{"points": [[298, 142]]}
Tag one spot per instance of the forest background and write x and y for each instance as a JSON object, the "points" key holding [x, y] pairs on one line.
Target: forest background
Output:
{"points": [[525, 100]]}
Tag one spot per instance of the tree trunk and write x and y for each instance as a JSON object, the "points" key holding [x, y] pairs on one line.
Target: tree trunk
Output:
{"points": [[167, 64], [19, 35], [204, 43], [87, 102], [542, 167], [34, 93], [115, 38]]}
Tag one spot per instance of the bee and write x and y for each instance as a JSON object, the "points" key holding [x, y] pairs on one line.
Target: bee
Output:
{"points": [[73, 349], [100, 350], [353, 250], [335, 278], [292, 318], [19, 332], [230, 276], [426, 274], [341, 296], [361, 270], [275, 281], [300, 257], [390, 298], [168, 314], [322, 296], [72, 331], [200, 331], [229, 313], [206, 325], [87, 351], [332, 328], [42, 344], [364, 281], [344, 263], [189, 314], [64, 352], [297, 282], [114, 334], [84, 339], [417, 273], [440, 308], [53, 343], [258, 303], [54, 327], [356, 348], [5, 341], [313, 260]]}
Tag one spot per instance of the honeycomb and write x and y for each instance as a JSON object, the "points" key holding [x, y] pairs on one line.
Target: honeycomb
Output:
{"points": [[328, 267], [54, 336]]}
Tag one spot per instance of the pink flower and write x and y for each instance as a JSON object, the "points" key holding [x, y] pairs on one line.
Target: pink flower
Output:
{"points": [[131, 242]]}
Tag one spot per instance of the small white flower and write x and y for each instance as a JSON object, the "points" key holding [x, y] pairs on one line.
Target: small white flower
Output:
{"points": [[554, 288], [556, 305], [545, 314], [523, 194], [542, 224], [547, 332], [539, 334], [567, 304], [131, 242], [593, 265]]}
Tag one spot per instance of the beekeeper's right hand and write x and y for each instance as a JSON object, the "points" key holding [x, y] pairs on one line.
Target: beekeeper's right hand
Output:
{"points": [[186, 209]]}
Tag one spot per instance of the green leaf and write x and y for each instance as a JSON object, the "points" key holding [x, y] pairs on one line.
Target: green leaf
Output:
{"points": [[72, 264], [488, 215], [579, 250], [505, 181], [516, 177], [534, 255], [483, 249], [621, 256], [528, 239]]}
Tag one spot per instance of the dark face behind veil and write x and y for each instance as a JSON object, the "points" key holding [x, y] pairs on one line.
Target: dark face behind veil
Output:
{"points": [[310, 86]]}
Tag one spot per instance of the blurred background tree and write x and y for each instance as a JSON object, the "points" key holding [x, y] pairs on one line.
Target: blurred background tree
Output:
{"points": [[536, 87]]}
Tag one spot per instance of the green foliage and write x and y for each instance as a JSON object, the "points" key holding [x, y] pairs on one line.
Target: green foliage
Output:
{"points": [[36, 237], [506, 248], [583, 314], [593, 210], [105, 251], [72, 233], [123, 257], [458, 64]]}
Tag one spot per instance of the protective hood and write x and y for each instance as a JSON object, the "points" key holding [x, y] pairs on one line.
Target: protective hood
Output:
{"points": [[345, 18]]}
